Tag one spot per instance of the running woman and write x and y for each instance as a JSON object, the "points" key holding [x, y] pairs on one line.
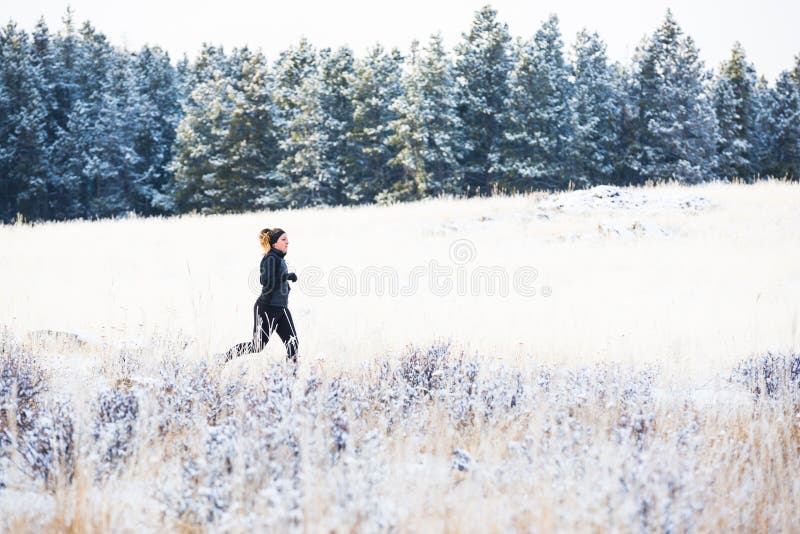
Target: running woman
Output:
{"points": [[271, 311]]}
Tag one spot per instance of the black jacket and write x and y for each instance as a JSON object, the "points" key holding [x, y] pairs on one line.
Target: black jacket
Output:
{"points": [[274, 279]]}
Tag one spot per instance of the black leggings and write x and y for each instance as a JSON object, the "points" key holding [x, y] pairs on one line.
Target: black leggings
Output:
{"points": [[266, 319]]}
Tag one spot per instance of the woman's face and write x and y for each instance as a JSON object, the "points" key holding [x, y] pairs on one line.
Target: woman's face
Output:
{"points": [[282, 243]]}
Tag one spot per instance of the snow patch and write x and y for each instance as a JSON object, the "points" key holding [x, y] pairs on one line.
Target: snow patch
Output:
{"points": [[609, 197]]}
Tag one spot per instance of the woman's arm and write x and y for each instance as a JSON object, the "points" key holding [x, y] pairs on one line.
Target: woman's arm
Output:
{"points": [[269, 268]]}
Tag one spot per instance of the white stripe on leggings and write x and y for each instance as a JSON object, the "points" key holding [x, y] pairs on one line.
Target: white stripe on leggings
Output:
{"points": [[294, 334]]}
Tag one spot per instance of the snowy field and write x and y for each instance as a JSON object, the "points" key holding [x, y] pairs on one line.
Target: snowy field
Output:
{"points": [[615, 358]]}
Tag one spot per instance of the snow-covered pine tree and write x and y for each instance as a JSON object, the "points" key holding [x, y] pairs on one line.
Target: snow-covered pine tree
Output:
{"points": [[24, 153], [251, 147], [628, 165], [225, 151], [310, 174], [64, 186], [316, 155], [761, 135], [733, 91], [8, 191], [536, 151], [482, 66], [732, 145], [67, 49], [43, 49], [183, 76], [427, 130], [197, 159], [375, 86], [159, 100], [95, 152], [596, 106], [292, 67], [199, 130], [110, 159], [784, 128], [336, 71], [675, 119], [85, 60], [210, 62]]}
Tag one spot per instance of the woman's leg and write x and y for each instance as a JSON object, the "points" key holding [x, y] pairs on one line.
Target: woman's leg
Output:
{"points": [[287, 332], [262, 326]]}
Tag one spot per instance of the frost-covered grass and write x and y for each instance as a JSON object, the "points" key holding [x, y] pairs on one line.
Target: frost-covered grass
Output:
{"points": [[430, 440], [655, 388]]}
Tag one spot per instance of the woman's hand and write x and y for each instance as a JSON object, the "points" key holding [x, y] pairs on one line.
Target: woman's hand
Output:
{"points": [[292, 277]]}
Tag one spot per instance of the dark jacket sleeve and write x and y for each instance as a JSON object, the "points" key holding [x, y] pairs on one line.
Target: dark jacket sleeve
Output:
{"points": [[269, 270]]}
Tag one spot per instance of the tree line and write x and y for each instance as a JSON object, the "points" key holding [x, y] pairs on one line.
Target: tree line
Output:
{"points": [[91, 130]]}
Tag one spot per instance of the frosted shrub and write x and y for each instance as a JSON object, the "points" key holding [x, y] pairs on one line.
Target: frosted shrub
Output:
{"points": [[113, 429], [771, 375], [462, 392], [38, 429], [422, 370], [503, 396], [396, 444], [47, 443]]}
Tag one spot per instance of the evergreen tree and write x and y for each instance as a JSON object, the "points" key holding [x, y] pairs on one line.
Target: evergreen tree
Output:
{"points": [[119, 175], [66, 50], [94, 61], [251, 148], [101, 140], [311, 175], [427, 130], [675, 119], [64, 189], [536, 150], [294, 65], [375, 86], [735, 111], [157, 88], [336, 72], [596, 105], [8, 190], [94, 152], [784, 130], [732, 145], [24, 154], [762, 143], [183, 77], [211, 62], [43, 57], [225, 148], [317, 156], [627, 168], [482, 67], [197, 161]]}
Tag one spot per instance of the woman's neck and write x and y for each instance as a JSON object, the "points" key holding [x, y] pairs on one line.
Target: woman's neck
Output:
{"points": [[278, 252]]}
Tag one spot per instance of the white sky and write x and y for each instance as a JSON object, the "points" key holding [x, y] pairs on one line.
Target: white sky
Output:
{"points": [[766, 28]]}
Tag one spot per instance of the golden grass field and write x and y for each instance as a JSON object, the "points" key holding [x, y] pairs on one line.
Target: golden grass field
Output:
{"points": [[606, 401]]}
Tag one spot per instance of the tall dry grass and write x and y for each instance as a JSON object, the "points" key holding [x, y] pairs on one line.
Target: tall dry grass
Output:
{"points": [[432, 440]]}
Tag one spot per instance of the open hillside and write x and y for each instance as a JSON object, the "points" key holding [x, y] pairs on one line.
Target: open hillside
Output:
{"points": [[622, 359], [689, 275]]}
